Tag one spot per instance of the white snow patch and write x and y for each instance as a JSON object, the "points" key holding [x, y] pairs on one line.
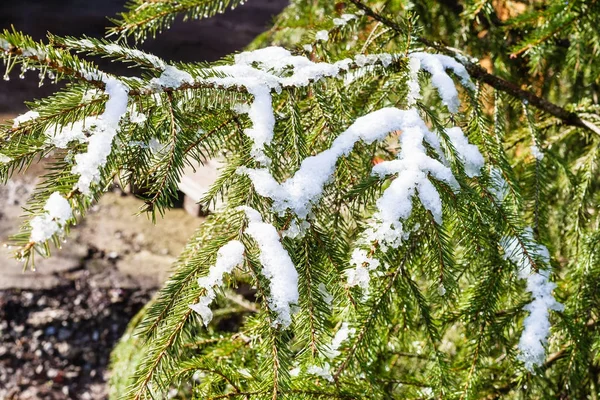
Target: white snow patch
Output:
{"points": [[229, 256], [277, 267], [536, 326], [43, 227], [86, 44], [260, 113], [113, 48], [135, 54], [295, 230], [28, 116], [88, 164], [359, 275], [436, 65], [327, 297], [241, 108], [386, 59], [97, 131], [322, 36], [4, 159], [499, 188], [323, 372], [90, 94], [93, 75], [58, 208], [40, 54], [4, 44], [271, 69], [441, 289], [155, 146], [536, 152], [468, 153], [414, 89], [57, 213], [344, 19], [260, 72], [341, 335], [299, 192], [172, 77], [413, 166], [60, 136], [365, 60], [137, 118], [524, 252]]}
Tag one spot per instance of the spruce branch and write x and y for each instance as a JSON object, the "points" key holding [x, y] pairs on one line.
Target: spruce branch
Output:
{"points": [[480, 74], [106, 48], [366, 325], [547, 35], [59, 61], [552, 359], [10, 133], [152, 16], [169, 169]]}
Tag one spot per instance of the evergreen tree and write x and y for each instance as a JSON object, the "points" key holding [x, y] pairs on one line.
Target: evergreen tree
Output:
{"points": [[410, 188]]}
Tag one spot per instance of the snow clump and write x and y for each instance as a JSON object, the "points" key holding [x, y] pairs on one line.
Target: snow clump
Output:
{"points": [[229, 256], [57, 212]]}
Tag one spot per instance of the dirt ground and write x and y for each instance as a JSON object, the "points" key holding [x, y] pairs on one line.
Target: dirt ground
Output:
{"points": [[59, 324]]}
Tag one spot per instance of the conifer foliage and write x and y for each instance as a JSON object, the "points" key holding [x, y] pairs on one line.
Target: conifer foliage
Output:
{"points": [[399, 222]]}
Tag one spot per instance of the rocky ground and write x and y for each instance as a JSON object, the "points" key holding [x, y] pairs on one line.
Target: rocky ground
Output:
{"points": [[59, 324], [55, 343]]}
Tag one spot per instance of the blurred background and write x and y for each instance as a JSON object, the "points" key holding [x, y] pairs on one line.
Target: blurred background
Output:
{"points": [[59, 324]]}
